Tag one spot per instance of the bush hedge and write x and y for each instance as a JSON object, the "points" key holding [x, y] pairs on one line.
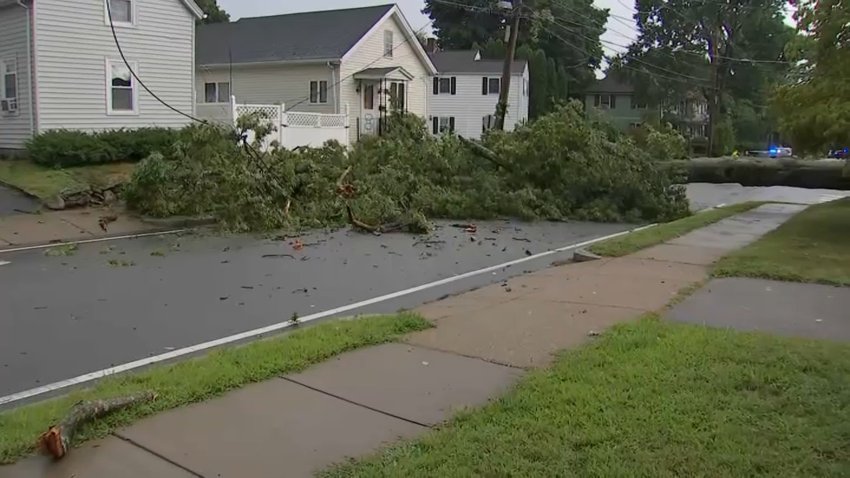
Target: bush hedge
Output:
{"points": [[64, 148]]}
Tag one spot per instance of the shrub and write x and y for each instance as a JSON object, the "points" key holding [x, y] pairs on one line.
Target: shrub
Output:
{"points": [[64, 148], [662, 143]]}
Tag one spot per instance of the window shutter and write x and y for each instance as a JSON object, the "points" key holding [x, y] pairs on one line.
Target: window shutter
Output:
{"points": [[454, 85], [452, 124], [484, 85], [613, 101], [436, 122], [436, 85], [596, 101]]}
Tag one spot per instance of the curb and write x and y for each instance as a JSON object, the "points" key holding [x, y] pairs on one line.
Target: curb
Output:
{"points": [[178, 221]]}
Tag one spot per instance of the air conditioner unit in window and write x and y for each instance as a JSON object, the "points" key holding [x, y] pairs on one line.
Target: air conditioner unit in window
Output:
{"points": [[9, 106]]}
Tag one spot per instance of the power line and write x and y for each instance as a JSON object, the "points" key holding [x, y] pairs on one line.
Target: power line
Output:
{"points": [[133, 73]]}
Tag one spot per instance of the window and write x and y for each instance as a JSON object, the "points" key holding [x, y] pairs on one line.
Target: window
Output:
{"points": [[388, 43], [217, 92], [122, 92], [9, 92], [443, 86], [397, 96], [605, 101], [491, 86], [369, 97], [638, 104], [487, 123], [443, 124], [318, 92], [634, 125], [123, 13]]}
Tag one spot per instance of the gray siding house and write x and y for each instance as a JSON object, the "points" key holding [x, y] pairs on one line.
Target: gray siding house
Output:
{"points": [[61, 69], [465, 92], [366, 60]]}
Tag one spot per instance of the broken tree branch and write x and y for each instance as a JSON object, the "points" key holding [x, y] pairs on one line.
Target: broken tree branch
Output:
{"points": [[56, 441], [484, 152], [360, 224]]}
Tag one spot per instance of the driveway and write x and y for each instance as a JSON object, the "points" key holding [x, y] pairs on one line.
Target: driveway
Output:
{"points": [[15, 202]]}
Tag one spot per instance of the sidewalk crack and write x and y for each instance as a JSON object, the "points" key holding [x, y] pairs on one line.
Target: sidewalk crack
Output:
{"points": [[361, 405], [158, 455]]}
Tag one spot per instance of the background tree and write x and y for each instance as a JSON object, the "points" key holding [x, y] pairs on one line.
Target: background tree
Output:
{"points": [[563, 35], [215, 14], [814, 106], [708, 47]]}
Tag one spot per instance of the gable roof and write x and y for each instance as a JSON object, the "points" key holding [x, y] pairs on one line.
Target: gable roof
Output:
{"points": [[611, 84], [464, 61], [309, 36], [194, 8]]}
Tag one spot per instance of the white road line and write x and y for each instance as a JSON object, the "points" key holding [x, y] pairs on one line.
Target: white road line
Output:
{"points": [[89, 377], [4, 263], [91, 241]]}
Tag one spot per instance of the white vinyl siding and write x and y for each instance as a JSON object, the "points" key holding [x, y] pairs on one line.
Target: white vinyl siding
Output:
{"points": [[73, 42], [269, 85], [469, 106], [15, 127], [370, 54]]}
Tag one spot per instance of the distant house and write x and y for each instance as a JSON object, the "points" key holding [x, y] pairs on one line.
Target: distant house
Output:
{"points": [[616, 100], [465, 92], [368, 60], [61, 69]]}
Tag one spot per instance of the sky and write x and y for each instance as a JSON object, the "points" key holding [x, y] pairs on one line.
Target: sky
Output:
{"points": [[621, 31]]}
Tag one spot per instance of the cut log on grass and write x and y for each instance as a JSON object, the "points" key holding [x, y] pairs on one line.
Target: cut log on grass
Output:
{"points": [[766, 172], [56, 441]]}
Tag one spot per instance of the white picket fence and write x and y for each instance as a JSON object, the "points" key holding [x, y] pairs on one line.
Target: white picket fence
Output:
{"points": [[292, 129]]}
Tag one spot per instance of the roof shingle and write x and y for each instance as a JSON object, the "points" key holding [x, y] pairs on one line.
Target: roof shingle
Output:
{"points": [[324, 35], [463, 61]]}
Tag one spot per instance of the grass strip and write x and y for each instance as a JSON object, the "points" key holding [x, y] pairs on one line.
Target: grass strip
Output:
{"points": [[636, 241], [46, 183], [203, 378], [652, 399], [813, 246]]}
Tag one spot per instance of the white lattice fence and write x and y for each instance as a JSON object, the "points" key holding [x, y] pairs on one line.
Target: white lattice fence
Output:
{"points": [[296, 128]]}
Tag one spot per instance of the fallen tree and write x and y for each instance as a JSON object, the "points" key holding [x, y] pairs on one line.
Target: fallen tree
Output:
{"points": [[766, 172], [56, 441]]}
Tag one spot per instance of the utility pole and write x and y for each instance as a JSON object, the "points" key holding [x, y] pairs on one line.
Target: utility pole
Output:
{"points": [[505, 87]]}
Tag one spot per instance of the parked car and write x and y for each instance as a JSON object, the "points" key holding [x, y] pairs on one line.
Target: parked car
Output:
{"points": [[840, 153], [780, 152]]}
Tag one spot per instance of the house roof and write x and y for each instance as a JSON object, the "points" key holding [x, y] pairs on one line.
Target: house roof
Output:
{"points": [[194, 8], [464, 61], [611, 84], [392, 72], [309, 36]]}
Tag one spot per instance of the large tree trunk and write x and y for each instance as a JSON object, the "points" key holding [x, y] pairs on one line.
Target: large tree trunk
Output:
{"points": [[766, 172]]}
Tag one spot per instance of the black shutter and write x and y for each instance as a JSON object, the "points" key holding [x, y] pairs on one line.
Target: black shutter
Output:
{"points": [[452, 124], [436, 122], [454, 85], [484, 86], [613, 101], [401, 98], [436, 85]]}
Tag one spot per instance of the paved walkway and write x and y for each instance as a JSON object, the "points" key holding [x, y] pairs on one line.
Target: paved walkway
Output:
{"points": [[483, 342], [59, 226]]}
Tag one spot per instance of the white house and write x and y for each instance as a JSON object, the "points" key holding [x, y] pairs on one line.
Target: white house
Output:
{"points": [[61, 68], [364, 60], [465, 93]]}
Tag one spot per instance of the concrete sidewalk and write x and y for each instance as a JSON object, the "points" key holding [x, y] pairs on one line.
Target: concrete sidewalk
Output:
{"points": [[483, 342], [21, 230]]}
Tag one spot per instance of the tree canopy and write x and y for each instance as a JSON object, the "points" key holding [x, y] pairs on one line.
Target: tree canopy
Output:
{"points": [[559, 38], [731, 53], [215, 14], [814, 105]]}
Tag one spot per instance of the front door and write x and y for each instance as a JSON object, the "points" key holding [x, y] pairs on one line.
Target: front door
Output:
{"points": [[369, 112]]}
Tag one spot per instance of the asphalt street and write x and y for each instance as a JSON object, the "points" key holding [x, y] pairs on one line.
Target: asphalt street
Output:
{"points": [[111, 303]]}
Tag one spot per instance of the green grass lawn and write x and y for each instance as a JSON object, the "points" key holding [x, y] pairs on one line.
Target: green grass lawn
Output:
{"points": [[652, 399], [634, 242], [813, 246], [46, 183], [203, 378]]}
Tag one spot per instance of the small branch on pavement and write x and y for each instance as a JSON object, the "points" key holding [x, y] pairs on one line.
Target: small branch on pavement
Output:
{"points": [[57, 440]]}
